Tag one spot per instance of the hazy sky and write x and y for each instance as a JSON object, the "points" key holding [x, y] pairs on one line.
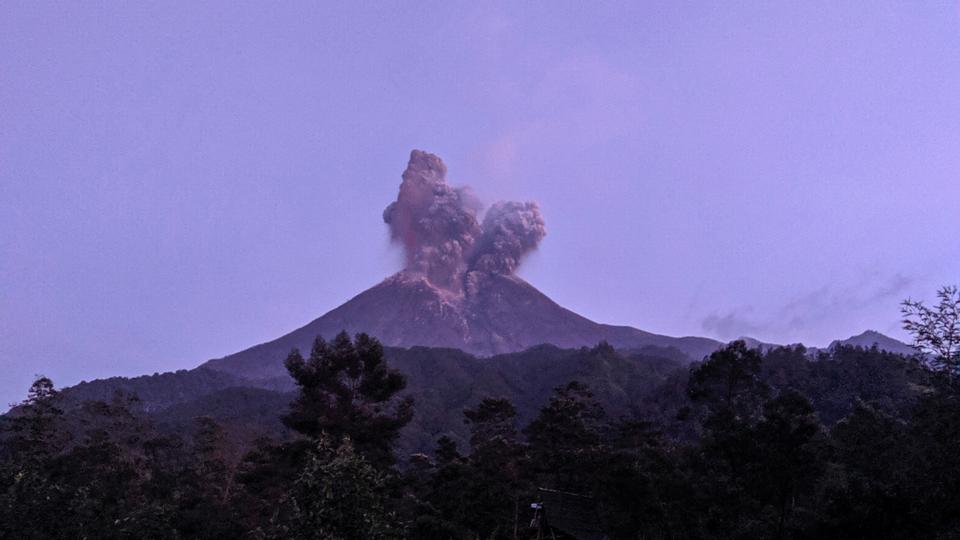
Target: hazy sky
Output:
{"points": [[180, 181]]}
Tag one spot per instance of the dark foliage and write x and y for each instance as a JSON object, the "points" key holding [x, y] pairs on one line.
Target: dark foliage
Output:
{"points": [[346, 390], [850, 443], [936, 330]]}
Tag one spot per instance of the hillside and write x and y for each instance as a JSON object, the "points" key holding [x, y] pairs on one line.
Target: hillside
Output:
{"points": [[647, 383], [442, 381]]}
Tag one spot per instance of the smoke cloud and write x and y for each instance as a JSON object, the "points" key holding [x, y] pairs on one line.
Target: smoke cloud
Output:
{"points": [[442, 236], [510, 231]]}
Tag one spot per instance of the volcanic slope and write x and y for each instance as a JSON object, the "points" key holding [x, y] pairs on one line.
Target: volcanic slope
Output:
{"points": [[505, 315]]}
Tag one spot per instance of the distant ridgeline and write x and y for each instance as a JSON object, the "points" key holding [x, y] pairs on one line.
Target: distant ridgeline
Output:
{"points": [[645, 383]]}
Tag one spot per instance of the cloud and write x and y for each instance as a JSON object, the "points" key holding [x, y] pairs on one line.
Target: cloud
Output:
{"points": [[807, 311], [729, 326]]}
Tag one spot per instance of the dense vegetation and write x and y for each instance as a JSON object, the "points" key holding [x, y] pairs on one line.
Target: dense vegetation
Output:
{"points": [[443, 381], [850, 443]]}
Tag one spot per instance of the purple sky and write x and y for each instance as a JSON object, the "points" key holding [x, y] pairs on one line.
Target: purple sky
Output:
{"points": [[180, 181]]}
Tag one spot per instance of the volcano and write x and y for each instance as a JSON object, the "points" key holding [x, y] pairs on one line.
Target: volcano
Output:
{"points": [[506, 314], [459, 288]]}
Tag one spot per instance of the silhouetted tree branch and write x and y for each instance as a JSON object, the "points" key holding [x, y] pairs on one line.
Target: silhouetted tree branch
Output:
{"points": [[936, 330]]}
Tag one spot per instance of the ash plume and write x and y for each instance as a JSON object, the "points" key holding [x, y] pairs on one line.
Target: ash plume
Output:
{"points": [[510, 231], [436, 223], [442, 236]]}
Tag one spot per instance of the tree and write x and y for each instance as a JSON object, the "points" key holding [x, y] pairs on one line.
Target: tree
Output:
{"points": [[868, 496], [446, 451], [443, 504], [936, 330], [339, 496], [88, 486], [211, 462], [787, 463], [566, 439], [729, 384], [934, 436], [496, 466], [491, 424], [347, 390], [32, 436], [36, 431], [205, 505]]}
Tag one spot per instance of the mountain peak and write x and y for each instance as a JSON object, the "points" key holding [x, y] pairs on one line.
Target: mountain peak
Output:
{"points": [[869, 338]]}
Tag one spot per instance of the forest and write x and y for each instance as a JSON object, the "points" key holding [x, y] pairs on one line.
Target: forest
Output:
{"points": [[845, 443]]}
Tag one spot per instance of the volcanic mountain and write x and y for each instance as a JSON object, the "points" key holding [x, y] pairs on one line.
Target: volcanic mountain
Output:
{"points": [[506, 314], [458, 289]]}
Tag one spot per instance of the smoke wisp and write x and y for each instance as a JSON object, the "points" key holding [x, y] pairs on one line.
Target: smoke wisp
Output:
{"points": [[441, 233]]}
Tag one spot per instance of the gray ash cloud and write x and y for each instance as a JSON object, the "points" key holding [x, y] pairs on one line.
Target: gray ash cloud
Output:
{"points": [[439, 228], [510, 231]]}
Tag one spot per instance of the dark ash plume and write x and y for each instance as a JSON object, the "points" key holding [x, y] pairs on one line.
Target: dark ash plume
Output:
{"points": [[510, 231], [436, 224], [440, 232]]}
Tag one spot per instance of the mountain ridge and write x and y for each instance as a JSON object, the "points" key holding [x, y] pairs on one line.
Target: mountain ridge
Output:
{"points": [[869, 338]]}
